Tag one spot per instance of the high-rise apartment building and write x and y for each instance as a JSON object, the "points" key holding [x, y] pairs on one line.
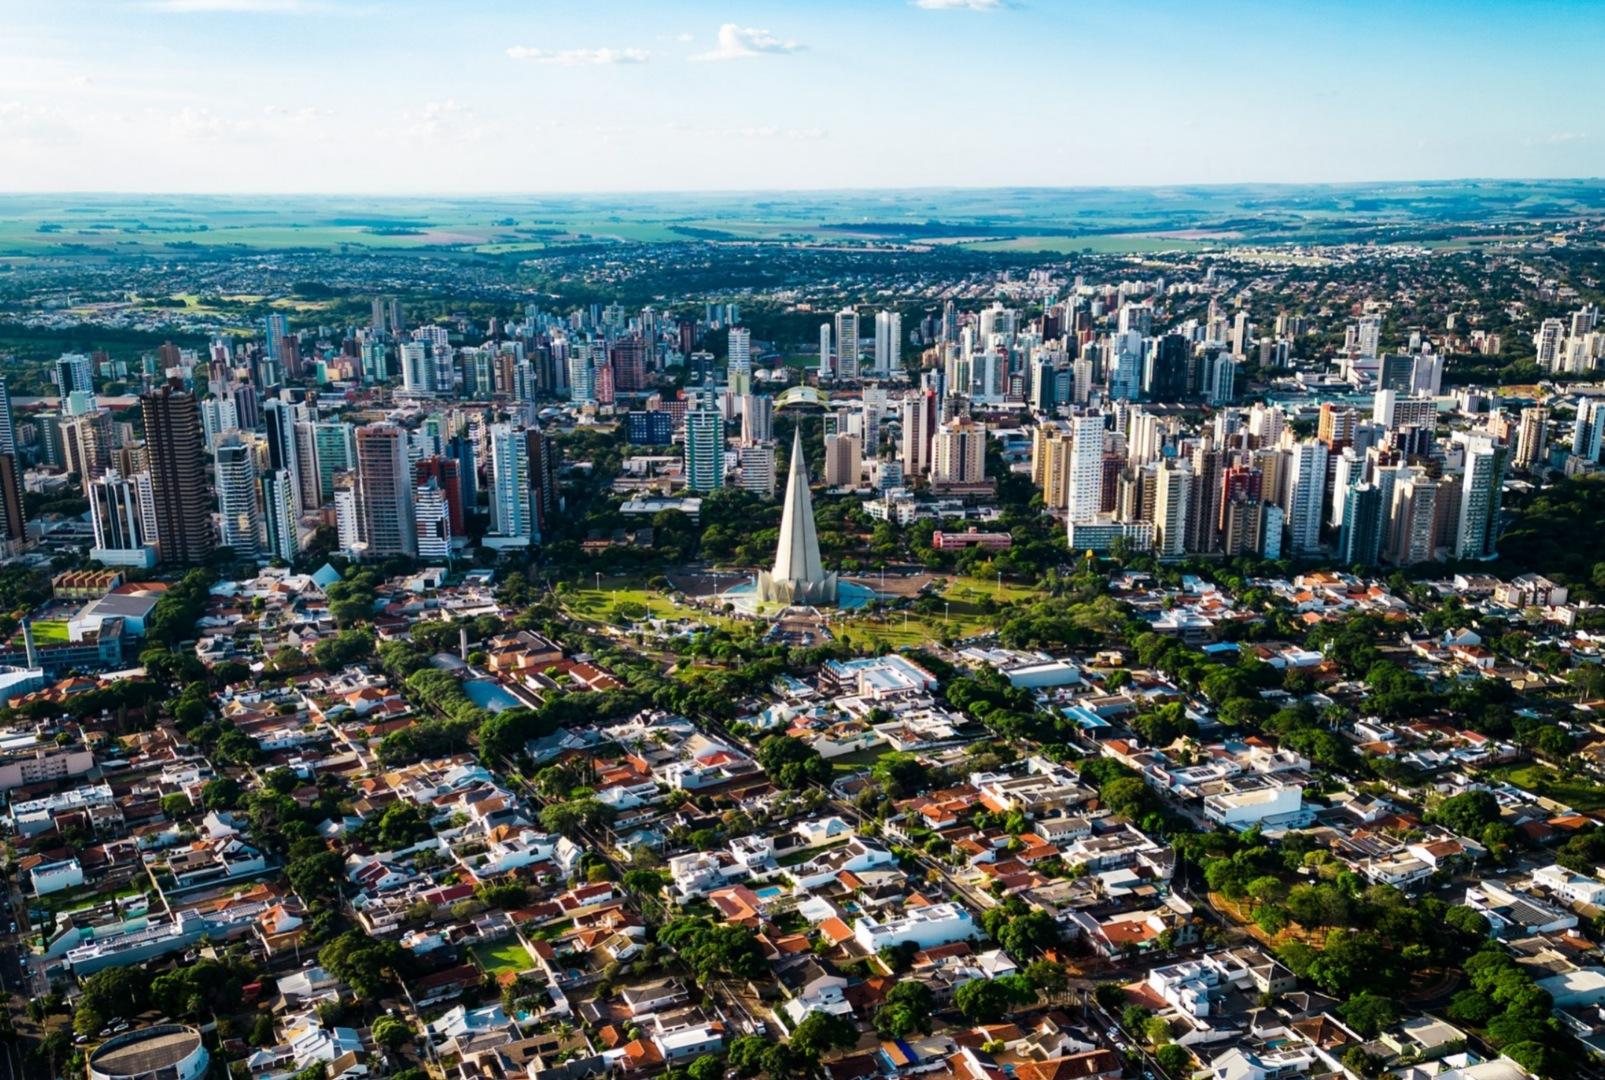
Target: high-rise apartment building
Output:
{"points": [[1306, 496], [1412, 519], [119, 524], [8, 433], [512, 515], [919, 429], [73, 372], [178, 475], [1084, 467], [1532, 438], [13, 513], [843, 460], [756, 469], [238, 502], [88, 439], [847, 344], [1172, 487], [279, 418], [336, 449], [1165, 377], [1480, 489], [279, 512], [888, 342], [704, 450], [757, 418], [385, 491], [444, 471], [1588, 430], [433, 520], [959, 453], [1360, 540]]}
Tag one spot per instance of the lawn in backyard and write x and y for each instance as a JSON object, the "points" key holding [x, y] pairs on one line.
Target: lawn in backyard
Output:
{"points": [[502, 956], [858, 760], [1578, 792]]}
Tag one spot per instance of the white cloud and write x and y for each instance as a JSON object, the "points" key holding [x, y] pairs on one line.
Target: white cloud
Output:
{"points": [[197, 124], [1558, 138], [24, 123], [959, 5], [746, 42], [578, 57], [447, 120], [685, 38], [243, 7], [755, 132]]}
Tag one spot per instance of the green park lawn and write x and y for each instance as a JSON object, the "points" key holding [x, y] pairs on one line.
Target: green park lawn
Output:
{"points": [[963, 617], [974, 590], [914, 632], [597, 605]]}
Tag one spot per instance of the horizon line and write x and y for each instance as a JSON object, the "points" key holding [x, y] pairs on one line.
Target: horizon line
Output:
{"points": [[609, 192]]}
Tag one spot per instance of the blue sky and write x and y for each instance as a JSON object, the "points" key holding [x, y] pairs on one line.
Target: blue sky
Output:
{"points": [[556, 95]]}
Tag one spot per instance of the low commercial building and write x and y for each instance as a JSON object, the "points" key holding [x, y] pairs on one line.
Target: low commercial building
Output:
{"points": [[1253, 801], [927, 927], [53, 877], [957, 541], [24, 760], [164, 1052]]}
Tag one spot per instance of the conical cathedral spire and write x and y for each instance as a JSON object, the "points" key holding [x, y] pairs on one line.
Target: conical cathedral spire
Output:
{"points": [[799, 575]]}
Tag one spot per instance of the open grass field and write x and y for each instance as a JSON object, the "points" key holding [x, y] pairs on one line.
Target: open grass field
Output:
{"points": [[1106, 244], [1001, 220], [964, 616], [503, 956], [970, 590], [1578, 792], [596, 605], [913, 632]]}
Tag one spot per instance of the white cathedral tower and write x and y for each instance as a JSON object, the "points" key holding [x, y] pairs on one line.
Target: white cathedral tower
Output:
{"points": [[799, 576]]}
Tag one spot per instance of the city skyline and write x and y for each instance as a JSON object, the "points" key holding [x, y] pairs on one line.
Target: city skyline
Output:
{"points": [[302, 96]]}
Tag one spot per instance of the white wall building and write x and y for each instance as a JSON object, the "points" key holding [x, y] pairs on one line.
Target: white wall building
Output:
{"points": [[927, 927]]}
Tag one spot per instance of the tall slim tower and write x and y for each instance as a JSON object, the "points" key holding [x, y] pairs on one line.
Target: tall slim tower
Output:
{"points": [[1306, 491], [1084, 468], [1532, 438], [511, 516], [8, 433], [280, 417], [799, 575], [239, 512], [178, 475], [739, 376], [888, 341], [847, 343], [279, 515]]}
